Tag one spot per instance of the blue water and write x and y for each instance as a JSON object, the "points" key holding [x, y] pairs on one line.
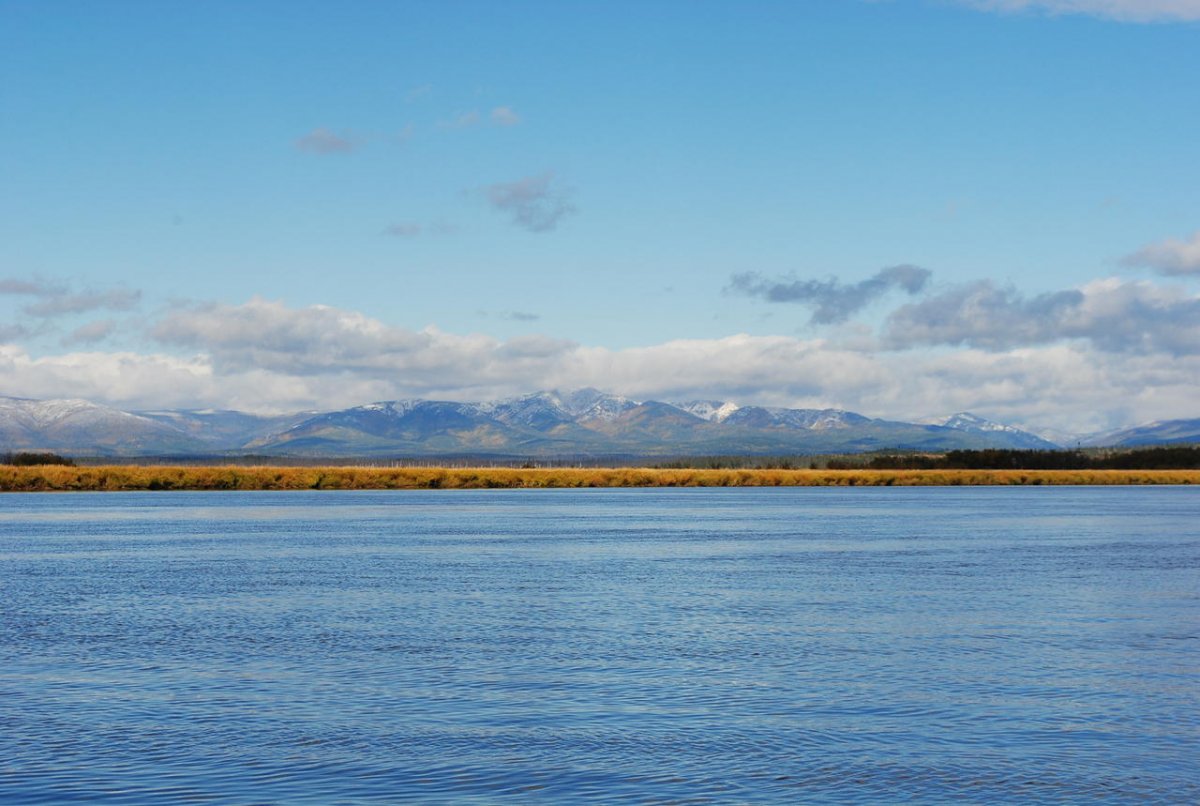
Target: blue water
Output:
{"points": [[673, 646]]}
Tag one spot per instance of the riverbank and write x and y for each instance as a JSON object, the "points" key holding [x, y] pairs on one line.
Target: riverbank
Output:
{"points": [[51, 478]]}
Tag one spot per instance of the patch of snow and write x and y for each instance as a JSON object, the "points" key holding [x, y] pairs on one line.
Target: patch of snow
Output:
{"points": [[966, 421], [607, 408], [396, 408], [715, 411]]}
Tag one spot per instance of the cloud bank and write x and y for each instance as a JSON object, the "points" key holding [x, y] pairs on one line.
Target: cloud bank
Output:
{"points": [[1110, 353], [264, 355]]}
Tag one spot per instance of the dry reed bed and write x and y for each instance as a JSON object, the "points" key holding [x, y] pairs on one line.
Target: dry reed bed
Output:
{"points": [[48, 478]]}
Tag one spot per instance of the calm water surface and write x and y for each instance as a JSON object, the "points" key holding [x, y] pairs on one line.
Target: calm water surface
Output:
{"points": [[681, 646]]}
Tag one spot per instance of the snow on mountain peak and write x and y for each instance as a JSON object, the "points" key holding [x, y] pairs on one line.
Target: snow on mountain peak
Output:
{"points": [[396, 408], [966, 421], [715, 411], [607, 407]]}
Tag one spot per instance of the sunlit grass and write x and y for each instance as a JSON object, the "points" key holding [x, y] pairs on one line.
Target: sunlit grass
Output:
{"points": [[134, 477]]}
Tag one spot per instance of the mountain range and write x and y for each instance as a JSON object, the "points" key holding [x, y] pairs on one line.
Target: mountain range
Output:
{"points": [[581, 423]]}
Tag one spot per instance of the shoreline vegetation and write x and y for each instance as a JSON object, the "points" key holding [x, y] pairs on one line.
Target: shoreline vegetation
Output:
{"points": [[116, 478]]}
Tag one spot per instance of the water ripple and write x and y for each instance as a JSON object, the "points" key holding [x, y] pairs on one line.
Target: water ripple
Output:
{"points": [[687, 646]]}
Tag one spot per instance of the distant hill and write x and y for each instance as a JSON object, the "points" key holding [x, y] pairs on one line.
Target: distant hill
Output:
{"points": [[222, 429], [1168, 432], [973, 423], [580, 423], [82, 427]]}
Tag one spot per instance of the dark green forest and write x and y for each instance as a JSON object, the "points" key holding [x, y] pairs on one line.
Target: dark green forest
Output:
{"points": [[1164, 458]]}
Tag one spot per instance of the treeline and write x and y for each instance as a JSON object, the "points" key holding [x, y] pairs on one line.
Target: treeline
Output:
{"points": [[1160, 458], [31, 458], [1156, 458]]}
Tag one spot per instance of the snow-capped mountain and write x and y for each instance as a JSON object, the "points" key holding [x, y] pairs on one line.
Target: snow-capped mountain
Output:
{"points": [[547, 410], [84, 427], [806, 419], [593, 423], [540, 411], [718, 411], [715, 411], [555, 423], [974, 424], [607, 408]]}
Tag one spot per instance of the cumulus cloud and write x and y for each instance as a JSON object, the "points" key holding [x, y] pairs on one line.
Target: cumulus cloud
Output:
{"points": [[1125, 10], [1170, 257], [832, 300], [324, 141], [111, 377], [1114, 315], [505, 116], [981, 315], [535, 203], [318, 339]]}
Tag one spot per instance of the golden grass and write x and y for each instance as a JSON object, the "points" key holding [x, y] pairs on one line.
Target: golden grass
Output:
{"points": [[48, 478]]}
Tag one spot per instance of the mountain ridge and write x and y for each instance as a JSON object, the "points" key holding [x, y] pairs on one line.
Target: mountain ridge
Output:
{"points": [[583, 422]]}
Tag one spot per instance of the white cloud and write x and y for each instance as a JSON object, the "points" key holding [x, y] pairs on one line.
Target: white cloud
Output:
{"points": [[535, 203], [114, 377], [324, 141], [264, 355], [1125, 10], [505, 116], [1113, 315], [1170, 256]]}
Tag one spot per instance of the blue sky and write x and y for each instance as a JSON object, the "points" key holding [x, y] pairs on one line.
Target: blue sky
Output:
{"points": [[314, 204]]}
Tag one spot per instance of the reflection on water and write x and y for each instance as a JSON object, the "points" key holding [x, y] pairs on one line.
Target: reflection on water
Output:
{"points": [[655, 645]]}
